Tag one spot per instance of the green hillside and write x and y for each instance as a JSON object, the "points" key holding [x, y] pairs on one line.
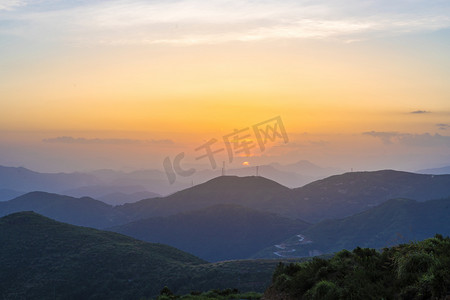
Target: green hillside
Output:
{"points": [[44, 259]]}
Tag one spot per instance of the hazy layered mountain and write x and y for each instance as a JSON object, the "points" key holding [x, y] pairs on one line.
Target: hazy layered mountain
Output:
{"points": [[7, 194], [119, 198], [112, 194], [94, 184], [220, 232], [307, 168], [344, 195], [100, 183], [393, 222], [436, 171], [252, 192], [334, 197], [151, 180], [45, 259], [22, 179], [78, 211]]}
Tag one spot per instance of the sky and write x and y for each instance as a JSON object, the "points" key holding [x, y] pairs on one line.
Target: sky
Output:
{"points": [[360, 85]]}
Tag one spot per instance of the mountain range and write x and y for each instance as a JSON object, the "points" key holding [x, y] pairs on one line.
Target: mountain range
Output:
{"points": [[249, 213], [106, 183], [388, 224], [333, 197]]}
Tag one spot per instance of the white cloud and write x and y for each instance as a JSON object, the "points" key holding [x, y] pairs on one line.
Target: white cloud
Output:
{"points": [[187, 22], [10, 4]]}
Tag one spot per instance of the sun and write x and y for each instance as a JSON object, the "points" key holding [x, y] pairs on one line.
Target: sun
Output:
{"points": [[246, 163]]}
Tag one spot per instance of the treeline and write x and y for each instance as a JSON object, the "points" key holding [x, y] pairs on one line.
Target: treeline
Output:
{"points": [[418, 270], [216, 294]]}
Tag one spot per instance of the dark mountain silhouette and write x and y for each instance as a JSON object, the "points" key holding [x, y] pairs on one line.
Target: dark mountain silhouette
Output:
{"points": [[344, 195], [333, 197], [288, 179], [44, 259], [78, 211], [221, 232], [252, 192], [392, 222]]}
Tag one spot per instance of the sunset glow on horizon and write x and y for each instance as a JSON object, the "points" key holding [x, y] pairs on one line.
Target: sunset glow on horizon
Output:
{"points": [[360, 83]]}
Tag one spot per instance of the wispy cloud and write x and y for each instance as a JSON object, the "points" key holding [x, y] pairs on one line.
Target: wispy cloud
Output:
{"points": [[409, 139], [420, 112], [443, 126], [72, 140], [386, 137], [188, 22]]}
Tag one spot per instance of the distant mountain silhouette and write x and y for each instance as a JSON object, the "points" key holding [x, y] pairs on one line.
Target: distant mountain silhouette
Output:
{"points": [[112, 194], [392, 222], [333, 197], [221, 232], [436, 171], [344, 195], [289, 179], [93, 184], [252, 192], [78, 211], [22, 179], [307, 168]]}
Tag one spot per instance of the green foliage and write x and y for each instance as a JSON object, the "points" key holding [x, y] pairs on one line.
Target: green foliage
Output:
{"points": [[409, 271], [216, 294], [323, 290]]}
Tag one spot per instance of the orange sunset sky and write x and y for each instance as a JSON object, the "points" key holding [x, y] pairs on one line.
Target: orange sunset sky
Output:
{"points": [[358, 84]]}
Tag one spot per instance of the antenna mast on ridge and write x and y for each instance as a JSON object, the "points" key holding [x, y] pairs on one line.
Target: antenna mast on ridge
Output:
{"points": [[257, 170], [223, 169]]}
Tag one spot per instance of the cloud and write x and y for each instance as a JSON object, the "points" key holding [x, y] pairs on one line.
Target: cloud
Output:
{"points": [[409, 139], [10, 4], [191, 22], [420, 112], [72, 140], [443, 126], [386, 137]]}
